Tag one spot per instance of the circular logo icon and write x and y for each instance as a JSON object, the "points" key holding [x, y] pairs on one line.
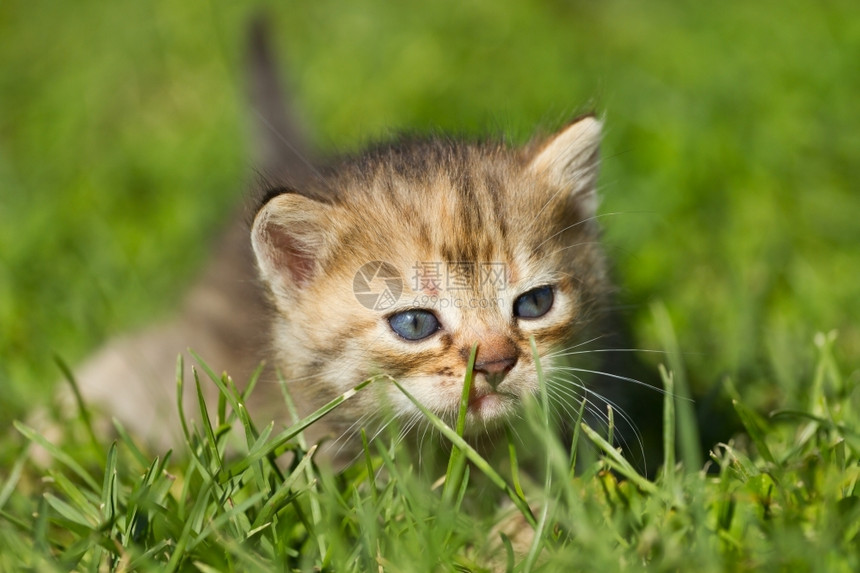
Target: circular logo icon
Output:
{"points": [[377, 285]]}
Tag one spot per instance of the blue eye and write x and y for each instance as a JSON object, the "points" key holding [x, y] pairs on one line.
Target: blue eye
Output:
{"points": [[534, 303], [415, 324]]}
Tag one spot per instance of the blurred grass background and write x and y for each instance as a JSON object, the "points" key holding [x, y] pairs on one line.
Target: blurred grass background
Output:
{"points": [[730, 168]]}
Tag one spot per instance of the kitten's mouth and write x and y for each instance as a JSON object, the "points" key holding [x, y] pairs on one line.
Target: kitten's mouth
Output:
{"points": [[476, 402], [479, 398], [489, 406]]}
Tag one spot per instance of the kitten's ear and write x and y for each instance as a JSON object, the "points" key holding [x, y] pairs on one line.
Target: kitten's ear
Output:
{"points": [[289, 240], [570, 160]]}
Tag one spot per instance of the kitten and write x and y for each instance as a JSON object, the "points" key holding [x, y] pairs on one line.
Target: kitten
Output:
{"points": [[398, 261], [394, 262]]}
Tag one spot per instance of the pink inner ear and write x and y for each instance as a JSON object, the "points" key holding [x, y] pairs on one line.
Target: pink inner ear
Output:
{"points": [[290, 255]]}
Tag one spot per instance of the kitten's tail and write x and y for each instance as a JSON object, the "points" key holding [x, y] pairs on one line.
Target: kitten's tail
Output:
{"points": [[223, 315], [281, 151]]}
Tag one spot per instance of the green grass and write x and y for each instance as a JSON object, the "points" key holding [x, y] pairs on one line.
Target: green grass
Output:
{"points": [[730, 175], [782, 497]]}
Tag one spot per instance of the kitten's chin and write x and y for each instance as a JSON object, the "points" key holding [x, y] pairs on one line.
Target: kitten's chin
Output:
{"points": [[489, 412]]}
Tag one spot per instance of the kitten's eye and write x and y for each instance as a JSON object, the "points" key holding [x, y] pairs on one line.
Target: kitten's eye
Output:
{"points": [[534, 303], [414, 324]]}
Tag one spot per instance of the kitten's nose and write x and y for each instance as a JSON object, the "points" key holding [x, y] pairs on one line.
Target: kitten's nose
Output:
{"points": [[495, 358]]}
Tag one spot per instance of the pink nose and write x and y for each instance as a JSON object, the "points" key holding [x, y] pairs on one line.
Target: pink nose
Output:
{"points": [[496, 357], [498, 366]]}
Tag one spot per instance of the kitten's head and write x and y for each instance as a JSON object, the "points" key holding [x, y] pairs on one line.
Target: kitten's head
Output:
{"points": [[399, 261]]}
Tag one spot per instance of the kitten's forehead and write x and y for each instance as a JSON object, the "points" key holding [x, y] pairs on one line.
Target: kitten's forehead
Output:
{"points": [[449, 202]]}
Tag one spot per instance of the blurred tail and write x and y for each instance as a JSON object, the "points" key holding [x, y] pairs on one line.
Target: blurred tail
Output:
{"points": [[281, 151], [223, 316]]}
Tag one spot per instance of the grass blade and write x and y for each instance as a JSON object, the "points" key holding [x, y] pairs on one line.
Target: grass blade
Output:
{"points": [[457, 461], [284, 491], [686, 416], [14, 477], [276, 446], [79, 400], [618, 462], [515, 465], [211, 441], [574, 442], [668, 423], [472, 455], [56, 453], [754, 430]]}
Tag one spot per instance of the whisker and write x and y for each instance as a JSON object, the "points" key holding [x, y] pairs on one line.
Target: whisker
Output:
{"points": [[564, 388], [351, 431], [596, 350], [578, 345], [579, 244], [626, 379], [583, 221]]}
